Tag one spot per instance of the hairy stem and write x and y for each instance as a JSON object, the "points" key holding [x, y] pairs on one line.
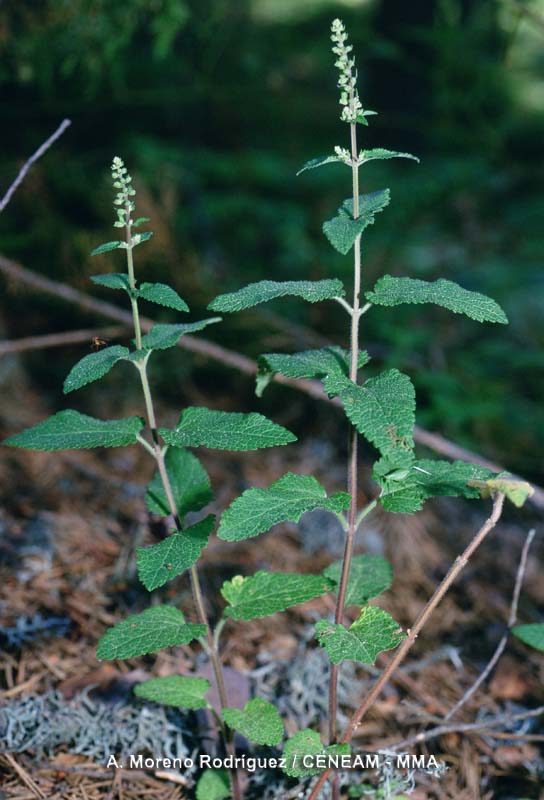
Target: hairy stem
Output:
{"points": [[158, 454], [412, 634], [353, 440]]}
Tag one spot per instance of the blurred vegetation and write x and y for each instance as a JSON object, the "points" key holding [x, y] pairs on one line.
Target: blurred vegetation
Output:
{"points": [[214, 104]]}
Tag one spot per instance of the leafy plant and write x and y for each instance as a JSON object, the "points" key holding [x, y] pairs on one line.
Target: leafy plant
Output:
{"points": [[380, 407]]}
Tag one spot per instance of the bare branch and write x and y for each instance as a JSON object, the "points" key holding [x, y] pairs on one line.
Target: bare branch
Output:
{"points": [[512, 619], [32, 160]]}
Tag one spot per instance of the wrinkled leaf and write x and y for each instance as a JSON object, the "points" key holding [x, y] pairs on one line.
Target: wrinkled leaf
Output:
{"points": [[225, 430], [107, 246], [71, 430], [328, 362], [342, 230], [307, 743], [181, 691], [93, 367], [161, 337], [259, 722], [213, 784], [159, 563], [153, 629], [189, 480], [391, 291], [371, 634], [258, 510], [369, 576], [112, 280], [162, 295], [319, 161], [268, 592], [264, 291]]}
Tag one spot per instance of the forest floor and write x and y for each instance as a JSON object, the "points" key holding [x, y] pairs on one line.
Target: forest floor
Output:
{"points": [[68, 535]]}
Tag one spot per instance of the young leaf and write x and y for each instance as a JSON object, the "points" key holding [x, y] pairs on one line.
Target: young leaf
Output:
{"points": [[383, 410], [264, 291], [371, 634], [153, 629], [70, 430], [213, 784], [325, 363], [106, 247], [266, 593], [93, 367], [112, 280], [342, 230], [189, 480], [319, 161], [161, 562], [405, 490], [533, 635], [225, 430], [391, 291], [516, 491], [161, 337], [369, 576], [162, 295], [182, 691], [378, 153], [140, 238], [257, 510], [259, 722], [307, 743]]}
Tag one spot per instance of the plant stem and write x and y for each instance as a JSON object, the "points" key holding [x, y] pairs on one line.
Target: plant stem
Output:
{"points": [[412, 634], [195, 581], [353, 460]]}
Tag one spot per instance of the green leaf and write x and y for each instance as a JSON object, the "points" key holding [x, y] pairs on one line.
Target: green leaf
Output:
{"points": [[369, 576], [225, 430], [342, 230], [406, 490], [161, 562], [153, 629], [328, 362], [140, 221], [161, 337], [259, 722], [112, 280], [378, 153], [533, 635], [319, 161], [266, 593], [264, 291], [515, 490], [371, 634], [307, 743], [93, 367], [189, 480], [182, 691], [213, 784], [162, 295], [107, 246], [391, 291], [257, 510], [70, 430], [383, 410]]}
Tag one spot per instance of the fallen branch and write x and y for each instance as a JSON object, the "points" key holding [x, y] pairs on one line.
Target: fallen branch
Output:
{"points": [[412, 633], [59, 339], [229, 358], [468, 727], [512, 619], [32, 160]]}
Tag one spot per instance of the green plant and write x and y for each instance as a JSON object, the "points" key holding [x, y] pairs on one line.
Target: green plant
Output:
{"points": [[381, 408]]}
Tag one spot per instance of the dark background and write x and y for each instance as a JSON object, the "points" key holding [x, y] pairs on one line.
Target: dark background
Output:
{"points": [[214, 105]]}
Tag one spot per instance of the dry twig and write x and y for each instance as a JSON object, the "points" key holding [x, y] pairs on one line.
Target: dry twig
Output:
{"points": [[32, 160]]}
